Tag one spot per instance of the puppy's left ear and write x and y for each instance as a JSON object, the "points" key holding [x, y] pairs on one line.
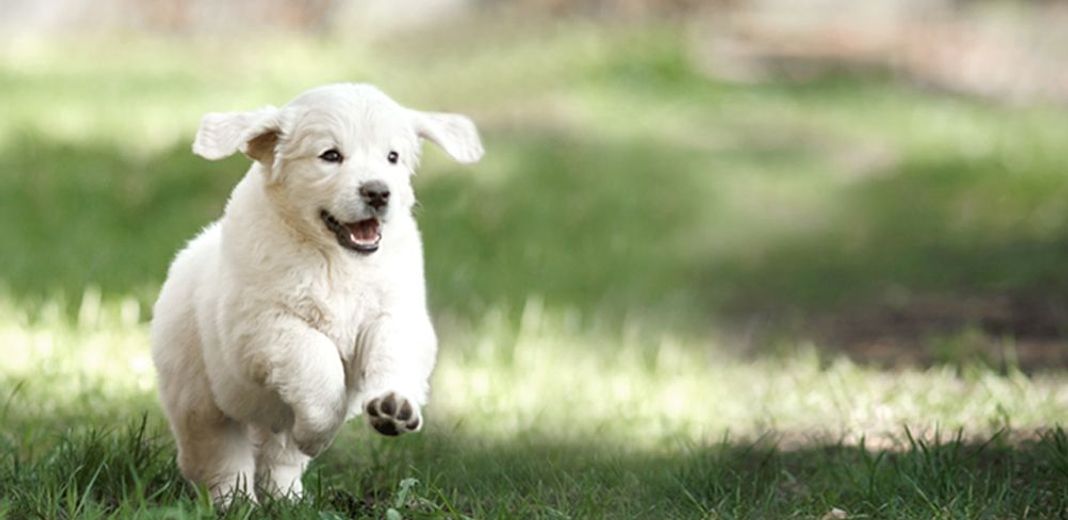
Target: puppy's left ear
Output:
{"points": [[454, 133], [254, 133]]}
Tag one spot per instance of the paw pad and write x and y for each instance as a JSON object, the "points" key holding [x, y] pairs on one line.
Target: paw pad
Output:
{"points": [[392, 414]]}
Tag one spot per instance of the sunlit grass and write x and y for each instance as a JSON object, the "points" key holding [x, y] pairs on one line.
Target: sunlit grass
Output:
{"points": [[550, 378]]}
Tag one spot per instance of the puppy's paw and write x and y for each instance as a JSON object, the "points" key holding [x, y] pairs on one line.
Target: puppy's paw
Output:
{"points": [[393, 414]]}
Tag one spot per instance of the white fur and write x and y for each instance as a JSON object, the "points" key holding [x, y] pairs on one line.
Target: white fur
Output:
{"points": [[268, 334]]}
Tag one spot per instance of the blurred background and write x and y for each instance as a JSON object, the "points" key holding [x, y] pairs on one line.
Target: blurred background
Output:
{"points": [[871, 176], [814, 218]]}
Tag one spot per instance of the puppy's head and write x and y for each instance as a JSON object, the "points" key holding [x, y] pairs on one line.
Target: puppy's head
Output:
{"points": [[338, 159]]}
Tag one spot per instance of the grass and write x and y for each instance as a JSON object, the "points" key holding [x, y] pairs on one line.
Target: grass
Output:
{"points": [[595, 282], [537, 422], [126, 473]]}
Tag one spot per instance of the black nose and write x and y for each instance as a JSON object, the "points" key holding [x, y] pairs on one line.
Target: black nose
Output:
{"points": [[375, 193]]}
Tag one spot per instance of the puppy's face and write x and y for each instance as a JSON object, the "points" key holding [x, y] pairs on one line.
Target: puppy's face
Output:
{"points": [[339, 159]]}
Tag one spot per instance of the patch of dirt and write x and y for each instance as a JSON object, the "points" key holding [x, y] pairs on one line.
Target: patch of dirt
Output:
{"points": [[896, 441], [1009, 332]]}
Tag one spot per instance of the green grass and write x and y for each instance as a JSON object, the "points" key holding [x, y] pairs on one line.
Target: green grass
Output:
{"points": [[538, 422], [595, 281], [130, 473]]}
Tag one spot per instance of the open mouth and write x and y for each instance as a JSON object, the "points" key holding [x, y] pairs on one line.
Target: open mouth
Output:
{"points": [[362, 236]]}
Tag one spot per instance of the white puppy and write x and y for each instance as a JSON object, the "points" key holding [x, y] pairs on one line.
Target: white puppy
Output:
{"points": [[304, 305]]}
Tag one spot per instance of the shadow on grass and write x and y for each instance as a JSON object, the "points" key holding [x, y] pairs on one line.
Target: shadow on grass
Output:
{"points": [[599, 227], [937, 227], [928, 249], [591, 225], [77, 216], [131, 472]]}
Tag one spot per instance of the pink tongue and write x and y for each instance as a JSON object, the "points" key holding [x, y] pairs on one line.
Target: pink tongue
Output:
{"points": [[364, 230]]}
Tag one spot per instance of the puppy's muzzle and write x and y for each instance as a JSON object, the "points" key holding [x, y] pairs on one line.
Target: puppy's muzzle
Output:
{"points": [[361, 236], [375, 194]]}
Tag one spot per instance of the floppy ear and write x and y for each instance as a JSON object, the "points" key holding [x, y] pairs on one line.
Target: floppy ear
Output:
{"points": [[254, 133], [454, 133]]}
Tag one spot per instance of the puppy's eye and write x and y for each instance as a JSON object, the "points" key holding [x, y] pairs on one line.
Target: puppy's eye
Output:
{"points": [[392, 157], [331, 155]]}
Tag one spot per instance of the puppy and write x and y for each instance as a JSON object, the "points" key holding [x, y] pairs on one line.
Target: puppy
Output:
{"points": [[304, 305]]}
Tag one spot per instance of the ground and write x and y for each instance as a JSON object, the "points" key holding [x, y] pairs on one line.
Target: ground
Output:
{"points": [[660, 295]]}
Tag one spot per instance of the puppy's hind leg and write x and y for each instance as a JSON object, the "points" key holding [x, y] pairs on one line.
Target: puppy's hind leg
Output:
{"points": [[215, 451], [279, 464]]}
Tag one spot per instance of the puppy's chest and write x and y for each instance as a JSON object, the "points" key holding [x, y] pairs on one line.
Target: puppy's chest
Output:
{"points": [[340, 310]]}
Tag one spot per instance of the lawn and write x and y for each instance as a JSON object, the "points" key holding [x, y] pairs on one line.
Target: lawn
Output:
{"points": [[647, 293]]}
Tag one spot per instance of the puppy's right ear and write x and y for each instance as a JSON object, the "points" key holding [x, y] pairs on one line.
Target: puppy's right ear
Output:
{"points": [[254, 133]]}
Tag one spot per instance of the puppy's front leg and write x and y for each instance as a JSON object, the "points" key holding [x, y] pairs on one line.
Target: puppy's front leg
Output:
{"points": [[397, 356], [304, 368]]}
